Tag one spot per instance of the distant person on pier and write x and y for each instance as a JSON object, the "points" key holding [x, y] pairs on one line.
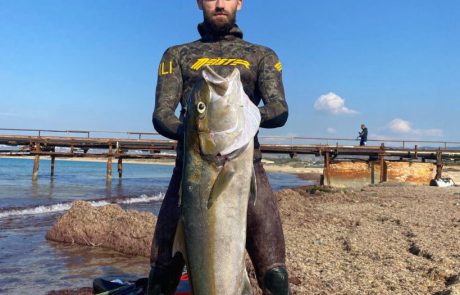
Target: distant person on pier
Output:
{"points": [[363, 135]]}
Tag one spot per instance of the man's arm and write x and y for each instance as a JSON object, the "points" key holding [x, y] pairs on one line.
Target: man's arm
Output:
{"points": [[365, 132], [274, 112], [167, 97]]}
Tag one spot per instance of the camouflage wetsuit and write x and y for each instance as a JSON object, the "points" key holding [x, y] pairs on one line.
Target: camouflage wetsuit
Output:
{"points": [[261, 77]]}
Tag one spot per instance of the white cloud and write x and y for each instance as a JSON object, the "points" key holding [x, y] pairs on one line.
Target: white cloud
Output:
{"points": [[401, 126], [333, 104], [331, 130]]}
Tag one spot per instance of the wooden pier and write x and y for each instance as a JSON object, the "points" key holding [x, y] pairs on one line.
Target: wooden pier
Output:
{"points": [[140, 147]]}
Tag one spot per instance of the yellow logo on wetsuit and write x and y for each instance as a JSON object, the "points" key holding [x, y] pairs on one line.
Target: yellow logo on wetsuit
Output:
{"points": [[162, 70], [219, 62], [278, 66]]}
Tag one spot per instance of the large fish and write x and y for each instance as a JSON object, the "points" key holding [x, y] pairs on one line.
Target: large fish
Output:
{"points": [[218, 179]]}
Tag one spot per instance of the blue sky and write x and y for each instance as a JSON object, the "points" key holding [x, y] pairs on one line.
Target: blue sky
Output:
{"points": [[85, 64]]}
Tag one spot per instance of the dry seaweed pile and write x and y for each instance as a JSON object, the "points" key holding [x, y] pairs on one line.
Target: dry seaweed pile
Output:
{"points": [[110, 226]]}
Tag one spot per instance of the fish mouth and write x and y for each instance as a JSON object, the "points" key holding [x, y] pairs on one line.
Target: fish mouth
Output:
{"points": [[217, 84]]}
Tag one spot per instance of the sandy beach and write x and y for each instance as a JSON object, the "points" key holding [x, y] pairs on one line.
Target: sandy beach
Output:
{"points": [[378, 240]]}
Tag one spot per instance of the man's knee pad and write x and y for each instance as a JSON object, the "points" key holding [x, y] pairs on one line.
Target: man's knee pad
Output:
{"points": [[276, 281]]}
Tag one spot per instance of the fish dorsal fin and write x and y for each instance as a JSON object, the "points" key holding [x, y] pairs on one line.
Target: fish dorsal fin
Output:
{"points": [[253, 189], [221, 183]]}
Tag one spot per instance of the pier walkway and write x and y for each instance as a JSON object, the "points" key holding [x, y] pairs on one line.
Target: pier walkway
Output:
{"points": [[148, 145]]}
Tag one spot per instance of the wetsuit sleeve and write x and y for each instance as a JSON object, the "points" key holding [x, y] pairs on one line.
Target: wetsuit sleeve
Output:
{"points": [[167, 97], [274, 112]]}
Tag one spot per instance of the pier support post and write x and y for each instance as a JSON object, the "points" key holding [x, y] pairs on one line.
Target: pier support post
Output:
{"points": [[327, 160], [109, 169], [372, 165], [109, 165], [438, 165], [36, 162], [120, 167], [382, 168], [382, 163], [36, 166], [53, 158]]}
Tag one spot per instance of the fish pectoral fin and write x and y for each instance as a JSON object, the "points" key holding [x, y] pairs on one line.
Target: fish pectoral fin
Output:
{"points": [[223, 179], [247, 288], [179, 240], [253, 190]]}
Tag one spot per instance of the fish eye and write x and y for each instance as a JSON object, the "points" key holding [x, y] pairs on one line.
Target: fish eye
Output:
{"points": [[201, 107]]}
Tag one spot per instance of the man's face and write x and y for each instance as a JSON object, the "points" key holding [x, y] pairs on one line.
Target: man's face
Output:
{"points": [[220, 14]]}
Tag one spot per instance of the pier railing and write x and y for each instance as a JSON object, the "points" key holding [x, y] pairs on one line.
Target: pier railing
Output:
{"points": [[268, 139], [84, 133], [331, 141]]}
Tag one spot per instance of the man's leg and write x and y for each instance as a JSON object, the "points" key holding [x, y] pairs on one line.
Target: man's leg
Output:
{"points": [[265, 238], [166, 270]]}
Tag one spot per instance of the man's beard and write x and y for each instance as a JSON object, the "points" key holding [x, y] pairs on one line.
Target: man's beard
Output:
{"points": [[220, 28]]}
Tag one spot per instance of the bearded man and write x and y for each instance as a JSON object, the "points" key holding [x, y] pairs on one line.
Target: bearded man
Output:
{"points": [[221, 47]]}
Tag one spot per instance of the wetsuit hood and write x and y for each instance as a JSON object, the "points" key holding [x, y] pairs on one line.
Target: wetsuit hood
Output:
{"points": [[207, 33]]}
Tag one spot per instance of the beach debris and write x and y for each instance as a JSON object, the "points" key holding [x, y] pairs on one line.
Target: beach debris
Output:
{"points": [[443, 182], [318, 189], [110, 226], [218, 178]]}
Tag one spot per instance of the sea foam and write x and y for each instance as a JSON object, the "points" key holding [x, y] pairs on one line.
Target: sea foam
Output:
{"points": [[44, 209]]}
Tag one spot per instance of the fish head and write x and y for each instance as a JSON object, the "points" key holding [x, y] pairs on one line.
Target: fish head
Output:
{"points": [[224, 117]]}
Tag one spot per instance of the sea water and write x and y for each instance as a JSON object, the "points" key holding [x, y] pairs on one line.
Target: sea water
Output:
{"points": [[29, 264]]}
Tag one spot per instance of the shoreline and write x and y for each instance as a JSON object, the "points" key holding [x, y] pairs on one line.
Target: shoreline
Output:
{"points": [[268, 166], [307, 173]]}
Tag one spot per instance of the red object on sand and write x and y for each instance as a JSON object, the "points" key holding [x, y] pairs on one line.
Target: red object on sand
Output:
{"points": [[184, 286]]}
